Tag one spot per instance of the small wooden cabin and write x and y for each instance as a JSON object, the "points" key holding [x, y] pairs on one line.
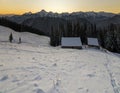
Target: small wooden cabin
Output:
{"points": [[93, 42], [71, 42]]}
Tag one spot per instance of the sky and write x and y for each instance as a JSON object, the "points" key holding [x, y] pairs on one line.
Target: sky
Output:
{"points": [[22, 6]]}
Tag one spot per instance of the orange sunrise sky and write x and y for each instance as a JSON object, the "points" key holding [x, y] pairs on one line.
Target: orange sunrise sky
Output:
{"points": [[22, 6]]}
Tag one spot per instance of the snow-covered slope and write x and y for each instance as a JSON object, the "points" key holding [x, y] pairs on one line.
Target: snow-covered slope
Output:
{"points": [[35, 67], [25, 36]]}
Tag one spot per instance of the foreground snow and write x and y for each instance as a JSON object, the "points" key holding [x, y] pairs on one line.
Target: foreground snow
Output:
{"points": [[35, 67]]}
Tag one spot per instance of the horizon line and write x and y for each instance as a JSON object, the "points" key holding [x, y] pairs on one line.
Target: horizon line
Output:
{"points": [[57, 12]]}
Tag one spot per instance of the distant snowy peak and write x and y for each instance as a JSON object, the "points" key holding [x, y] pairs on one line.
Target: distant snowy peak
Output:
{"points": [[28, 13], [44, 13], [81, 14], [93, 14], [90, 16], [107, 14]]}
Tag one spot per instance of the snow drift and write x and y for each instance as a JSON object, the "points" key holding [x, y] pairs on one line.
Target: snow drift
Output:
{"points": [[36, 67]]}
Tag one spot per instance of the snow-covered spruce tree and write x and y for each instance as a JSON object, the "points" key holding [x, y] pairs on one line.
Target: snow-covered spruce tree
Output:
{"points": [[117, 33], [101, 34], [111, 38], [55, 35], [82, 33], [69, 29], [118, 38], [11, 38], [52, 39]]}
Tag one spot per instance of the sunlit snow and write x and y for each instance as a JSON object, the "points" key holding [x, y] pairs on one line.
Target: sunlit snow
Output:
{"points": [[35, 67]]}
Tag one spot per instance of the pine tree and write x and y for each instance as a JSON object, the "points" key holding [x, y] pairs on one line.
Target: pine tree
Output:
{"points": [[11, 38]]}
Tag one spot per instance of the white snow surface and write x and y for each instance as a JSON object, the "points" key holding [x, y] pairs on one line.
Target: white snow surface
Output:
{"points": [[36, 67]]}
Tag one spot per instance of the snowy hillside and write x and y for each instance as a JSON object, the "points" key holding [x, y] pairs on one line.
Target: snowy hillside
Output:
{"points": [[36, 67], [25, 36]]}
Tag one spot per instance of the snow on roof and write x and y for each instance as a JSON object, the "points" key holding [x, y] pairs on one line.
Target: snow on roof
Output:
{"points": [[93, 41], [71, 41]]}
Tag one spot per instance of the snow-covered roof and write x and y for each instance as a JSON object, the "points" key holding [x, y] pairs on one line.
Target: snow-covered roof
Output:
{"points": [[71, 41], [93, 41]]}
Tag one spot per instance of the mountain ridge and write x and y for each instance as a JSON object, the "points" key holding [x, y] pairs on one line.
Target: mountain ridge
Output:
{"points": [[45, 12], [99, 18]]}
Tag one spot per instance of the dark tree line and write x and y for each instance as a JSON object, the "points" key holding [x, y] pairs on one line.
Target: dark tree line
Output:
{"points": [[19, 27], [70, 29], [55, 35], [109, 36]]}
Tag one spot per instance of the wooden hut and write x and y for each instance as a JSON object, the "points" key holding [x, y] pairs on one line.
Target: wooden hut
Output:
{"points": [[71, 42], [93, 42]]}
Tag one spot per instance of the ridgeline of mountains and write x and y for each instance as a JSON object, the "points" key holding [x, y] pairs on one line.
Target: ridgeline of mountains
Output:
{"points": [[102, 25], [44, 20]]}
